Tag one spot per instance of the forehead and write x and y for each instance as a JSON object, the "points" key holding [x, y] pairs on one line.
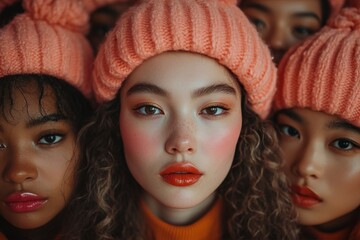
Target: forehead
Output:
{"points": [[178, 70], [26, 100]]}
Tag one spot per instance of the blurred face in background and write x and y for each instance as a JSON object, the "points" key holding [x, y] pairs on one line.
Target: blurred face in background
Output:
{"points": [[284, 23]]}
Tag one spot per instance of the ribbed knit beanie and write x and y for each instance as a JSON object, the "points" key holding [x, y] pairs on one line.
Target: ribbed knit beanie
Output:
{"points": [[92, 5], [335, 7], [323, 73], [214, 28], [48, 39]]}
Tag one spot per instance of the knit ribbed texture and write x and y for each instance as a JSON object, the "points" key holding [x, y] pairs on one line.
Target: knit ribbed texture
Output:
{"points": [[208, 227], [215, 28], [48, 39], [323, 73], [92, 5]]}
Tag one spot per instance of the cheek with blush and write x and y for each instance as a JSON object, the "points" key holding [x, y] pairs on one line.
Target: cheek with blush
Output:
{"points": [[221, 144], [138, 140]]}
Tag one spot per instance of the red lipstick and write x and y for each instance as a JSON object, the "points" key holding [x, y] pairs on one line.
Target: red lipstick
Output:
{"points": [[181, 174], [22, 202], [304, 197]]}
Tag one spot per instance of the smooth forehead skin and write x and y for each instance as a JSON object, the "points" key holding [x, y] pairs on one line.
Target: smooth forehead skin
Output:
{"points": [[195, 118], [283, 23], [322, 153], [37, 150]]}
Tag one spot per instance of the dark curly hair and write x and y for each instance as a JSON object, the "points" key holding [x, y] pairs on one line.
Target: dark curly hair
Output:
{"points": [[69, 102], [255, 191]]}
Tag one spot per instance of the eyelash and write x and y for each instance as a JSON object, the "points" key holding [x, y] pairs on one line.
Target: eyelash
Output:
{"points": [[143, 108], [350, 142], [281, 129], [58, 138], [224, 110], [157, 111]]}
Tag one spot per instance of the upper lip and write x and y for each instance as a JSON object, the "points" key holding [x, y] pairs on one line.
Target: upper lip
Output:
{"points": [[304, 191], [22, 197], [180, 168]]}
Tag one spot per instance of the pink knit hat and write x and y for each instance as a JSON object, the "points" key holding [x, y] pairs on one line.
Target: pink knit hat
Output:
{"points": [[323, 73], [215, 28], [48, 39], [92, 5]]}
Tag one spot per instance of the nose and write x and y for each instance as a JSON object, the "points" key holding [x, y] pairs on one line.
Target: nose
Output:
{"points": [[181, 139], [277, 38], [310, 163], [20, 167]]}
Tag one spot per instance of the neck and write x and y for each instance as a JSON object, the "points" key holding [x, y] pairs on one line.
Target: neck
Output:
{"points": [[177, 216], [47, 231], [341, 222]]}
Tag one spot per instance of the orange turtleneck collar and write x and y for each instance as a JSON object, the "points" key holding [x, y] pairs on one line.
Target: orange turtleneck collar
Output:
{"points": [[207, 227]]}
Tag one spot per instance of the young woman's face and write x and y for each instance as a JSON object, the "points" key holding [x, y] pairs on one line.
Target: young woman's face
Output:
{"points": [[180, 121], [36, 160], [322, 157], [283, 23]]}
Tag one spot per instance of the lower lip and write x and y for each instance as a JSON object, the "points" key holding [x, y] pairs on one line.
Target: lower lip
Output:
{"points": [[304, 201], [181, 179], [26, 206]]}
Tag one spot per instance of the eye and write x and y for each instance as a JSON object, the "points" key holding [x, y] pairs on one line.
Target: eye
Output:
{"points": [[2, 145], [344, 144], [303, 32], [289, 131], [259, 24], [50, 139], [148, 110], [214, 110]]}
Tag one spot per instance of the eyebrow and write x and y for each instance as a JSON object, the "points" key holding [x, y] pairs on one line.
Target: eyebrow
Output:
{"points": [[44, 119], [336, 124], [151, 88], [265, 9], [258, 6], [306, 15], [146, 88], [291, 114], [215, 88]]}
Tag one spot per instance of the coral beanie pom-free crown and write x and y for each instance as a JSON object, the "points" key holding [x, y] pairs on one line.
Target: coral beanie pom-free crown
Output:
{"points": [[214, 28], [323, 73], [48, 39]]}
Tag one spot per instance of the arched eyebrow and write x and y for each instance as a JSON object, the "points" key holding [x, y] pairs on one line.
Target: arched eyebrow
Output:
{"points": [[55, 117], [215, 88], [146, 88], [265, 9], [257, 6], [341, 124], [307, 15], [151, 88], [291, 114]]}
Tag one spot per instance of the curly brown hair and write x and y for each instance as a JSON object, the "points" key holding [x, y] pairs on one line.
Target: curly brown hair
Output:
{"points": [[255, 191], [69, 102]]}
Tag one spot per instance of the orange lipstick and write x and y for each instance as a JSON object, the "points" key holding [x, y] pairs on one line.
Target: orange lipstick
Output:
{"points": [[181, 174]]}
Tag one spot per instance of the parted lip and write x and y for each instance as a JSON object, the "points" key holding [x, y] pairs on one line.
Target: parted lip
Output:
{"points": [[305, 192], [181, 174], [23, 202], [180, 168], [23, 197]]}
